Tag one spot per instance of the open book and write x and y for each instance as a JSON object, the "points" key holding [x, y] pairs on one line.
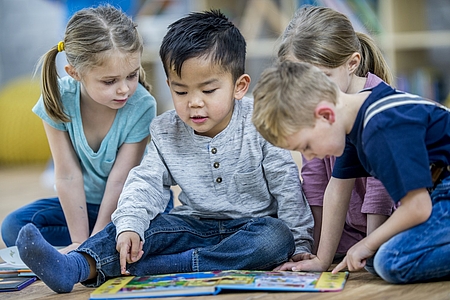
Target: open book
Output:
{"points": [[211, 283], [12, 265]]}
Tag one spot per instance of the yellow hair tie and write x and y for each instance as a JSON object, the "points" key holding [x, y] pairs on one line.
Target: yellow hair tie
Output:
{"points": [[61, 46]]}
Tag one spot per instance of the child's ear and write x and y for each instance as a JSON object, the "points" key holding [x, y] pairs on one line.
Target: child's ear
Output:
{"points": [[241, 87], [325, 111], [353, 62], [72, 72]]}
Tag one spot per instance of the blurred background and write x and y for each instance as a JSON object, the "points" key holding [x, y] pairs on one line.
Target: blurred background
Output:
{"points": [[414, 36]]}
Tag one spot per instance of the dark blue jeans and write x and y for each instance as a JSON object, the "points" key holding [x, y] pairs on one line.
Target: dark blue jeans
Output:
{"points": [[176, 243], [47, 215], [421, 253]]}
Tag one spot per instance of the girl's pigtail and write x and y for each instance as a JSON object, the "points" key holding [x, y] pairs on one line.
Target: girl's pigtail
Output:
{"points": [[50, 87], [142, 79], [372, 59]]}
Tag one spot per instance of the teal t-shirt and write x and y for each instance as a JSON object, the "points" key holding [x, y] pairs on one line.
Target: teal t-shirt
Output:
{"points": [[131, 125]]}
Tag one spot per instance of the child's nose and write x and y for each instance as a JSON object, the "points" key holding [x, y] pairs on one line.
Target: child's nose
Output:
{"points": [[196, 102], [123, 88]]}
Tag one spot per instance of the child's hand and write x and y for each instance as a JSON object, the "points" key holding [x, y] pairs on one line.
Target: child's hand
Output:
{"points": [[312, 264], [302, 256], [129, 245], [356, 258]]}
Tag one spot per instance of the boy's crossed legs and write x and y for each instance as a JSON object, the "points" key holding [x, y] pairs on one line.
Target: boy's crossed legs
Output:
{"points": [[173, 244]]}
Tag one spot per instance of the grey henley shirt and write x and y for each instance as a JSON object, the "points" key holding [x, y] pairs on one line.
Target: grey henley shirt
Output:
{"points": [[236, 174]]}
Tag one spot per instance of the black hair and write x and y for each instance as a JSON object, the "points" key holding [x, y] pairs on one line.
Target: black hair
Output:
{"points": [[207, 33]]}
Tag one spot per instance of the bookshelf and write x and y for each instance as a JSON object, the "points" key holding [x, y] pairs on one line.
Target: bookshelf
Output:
{"points": [[408, 42]]}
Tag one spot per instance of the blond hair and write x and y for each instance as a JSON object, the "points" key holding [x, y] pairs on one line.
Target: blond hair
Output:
{"points": [[325, 37], [285, 98], [89, 34]]}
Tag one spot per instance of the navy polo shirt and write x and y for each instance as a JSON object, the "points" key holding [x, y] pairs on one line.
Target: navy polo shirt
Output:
{"points": [[398, 144]]}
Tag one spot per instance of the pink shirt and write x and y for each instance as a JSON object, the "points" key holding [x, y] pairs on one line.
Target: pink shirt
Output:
{"points": [[368, 196]]}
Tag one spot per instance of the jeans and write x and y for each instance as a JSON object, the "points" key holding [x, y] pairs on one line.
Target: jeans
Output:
{"points": [[421, 253], [177, 243], [47, 215]]}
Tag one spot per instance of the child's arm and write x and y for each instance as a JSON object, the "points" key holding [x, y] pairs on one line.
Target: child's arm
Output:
{"points": [[283, 180], [69, 184], [378, 205], [336, 199], [415, 209], [129, 156], [317, 212], [145, 193], [374, 221], [315, 174]]}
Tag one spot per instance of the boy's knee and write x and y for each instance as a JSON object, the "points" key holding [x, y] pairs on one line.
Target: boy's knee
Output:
{"points": [[276, 239], [277, 229], [388, 266]]}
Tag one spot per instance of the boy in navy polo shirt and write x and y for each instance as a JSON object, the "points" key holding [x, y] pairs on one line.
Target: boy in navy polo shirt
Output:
{"points": [[391, 135]]}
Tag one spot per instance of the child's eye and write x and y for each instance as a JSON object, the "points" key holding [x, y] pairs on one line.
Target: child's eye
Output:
{"points": [[180, 93], [133, 75], [110, 82], [209, 91]]}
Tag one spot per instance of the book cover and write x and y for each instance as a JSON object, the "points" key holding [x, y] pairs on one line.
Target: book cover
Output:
{"points": [[11, 284], [211, 283]]}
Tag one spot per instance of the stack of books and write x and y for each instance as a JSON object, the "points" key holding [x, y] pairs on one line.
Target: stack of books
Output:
{"points": [[14, 274]]}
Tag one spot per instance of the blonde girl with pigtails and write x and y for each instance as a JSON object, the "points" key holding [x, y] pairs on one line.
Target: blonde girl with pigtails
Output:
{"points": [[97, 123]]}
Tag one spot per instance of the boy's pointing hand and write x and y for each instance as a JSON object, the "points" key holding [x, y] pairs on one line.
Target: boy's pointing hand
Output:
{"points": [[129, 245]]}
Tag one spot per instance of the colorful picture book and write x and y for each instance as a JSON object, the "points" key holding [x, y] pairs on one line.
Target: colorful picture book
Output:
{"points": [[211, 283], [11, 284]]}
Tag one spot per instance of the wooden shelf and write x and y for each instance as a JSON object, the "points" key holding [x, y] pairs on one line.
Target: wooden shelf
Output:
{"points": [[407, 41], [258, 48], [414, 40]]}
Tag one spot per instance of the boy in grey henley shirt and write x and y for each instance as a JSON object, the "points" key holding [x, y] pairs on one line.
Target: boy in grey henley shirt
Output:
{"points": [[236, 174]]}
